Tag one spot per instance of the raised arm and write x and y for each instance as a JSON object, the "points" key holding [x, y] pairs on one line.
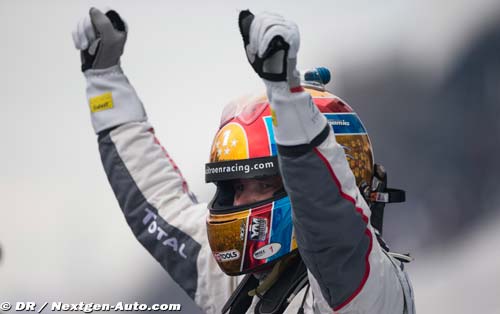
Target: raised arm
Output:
{"points": [[154, 197], [330, 217]]}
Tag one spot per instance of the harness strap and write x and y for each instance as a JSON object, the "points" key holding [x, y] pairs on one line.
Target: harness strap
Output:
{"points": [[276, 299], [279, 296], [240, 301]]}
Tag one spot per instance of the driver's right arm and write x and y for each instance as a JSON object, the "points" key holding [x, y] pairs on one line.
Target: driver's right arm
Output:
{"points": [[154, 197]]}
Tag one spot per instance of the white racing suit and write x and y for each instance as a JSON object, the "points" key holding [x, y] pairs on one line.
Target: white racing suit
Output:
{"points": [[348, 271]]}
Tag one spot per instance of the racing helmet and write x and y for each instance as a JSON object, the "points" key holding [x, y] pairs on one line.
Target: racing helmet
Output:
{"points": [[251, 237]]}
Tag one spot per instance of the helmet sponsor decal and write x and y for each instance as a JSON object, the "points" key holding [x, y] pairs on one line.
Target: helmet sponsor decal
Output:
{"points": [[258, 216], [227, 256], [267, 251], [258, 229], [345, 123], [239, 169]]}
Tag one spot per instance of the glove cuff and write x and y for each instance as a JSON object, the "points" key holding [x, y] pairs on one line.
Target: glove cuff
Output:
{"points": [[112, 99], [296, 119]]}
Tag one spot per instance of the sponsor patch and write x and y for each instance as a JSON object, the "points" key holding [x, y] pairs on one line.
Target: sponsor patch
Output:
{"points": [[258, 229], [273, 115], [101, 102], [267, 251], [227, 256], [161, 235]]}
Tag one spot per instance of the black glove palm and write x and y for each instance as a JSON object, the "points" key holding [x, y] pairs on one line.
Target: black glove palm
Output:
{"points": [[273, 63], [271, 44]]}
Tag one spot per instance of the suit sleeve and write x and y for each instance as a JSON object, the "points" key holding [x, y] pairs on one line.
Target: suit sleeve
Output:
{"points": [[331, 218], [162, 213]]}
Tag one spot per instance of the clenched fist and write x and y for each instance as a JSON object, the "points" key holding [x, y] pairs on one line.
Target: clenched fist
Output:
{"points": [[100, 38], [271, 44]]}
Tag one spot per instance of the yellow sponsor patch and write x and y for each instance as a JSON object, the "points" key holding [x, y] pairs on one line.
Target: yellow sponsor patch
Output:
{"points": [[101, 102], [273, 115]]}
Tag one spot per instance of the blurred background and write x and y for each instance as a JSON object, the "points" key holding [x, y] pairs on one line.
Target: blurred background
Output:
{"points": [[424, 76]]}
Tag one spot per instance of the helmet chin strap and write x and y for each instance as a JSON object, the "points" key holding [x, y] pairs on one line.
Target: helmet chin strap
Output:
{"points": [[269, 279], [275, 287]]}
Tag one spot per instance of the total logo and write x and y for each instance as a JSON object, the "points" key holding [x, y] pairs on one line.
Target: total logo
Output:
{"points": [[267, 251], [227, 256]]}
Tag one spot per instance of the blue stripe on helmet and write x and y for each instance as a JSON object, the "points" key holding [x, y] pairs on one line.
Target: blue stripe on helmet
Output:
{"points": [[281, 229], [270, 132]]}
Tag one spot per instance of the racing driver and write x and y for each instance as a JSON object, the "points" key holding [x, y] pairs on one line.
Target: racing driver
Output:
{"points": [[288, 230]]}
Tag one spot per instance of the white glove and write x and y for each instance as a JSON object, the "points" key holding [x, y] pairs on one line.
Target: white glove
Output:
{"points": [[271, 44], [101, 39]]}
